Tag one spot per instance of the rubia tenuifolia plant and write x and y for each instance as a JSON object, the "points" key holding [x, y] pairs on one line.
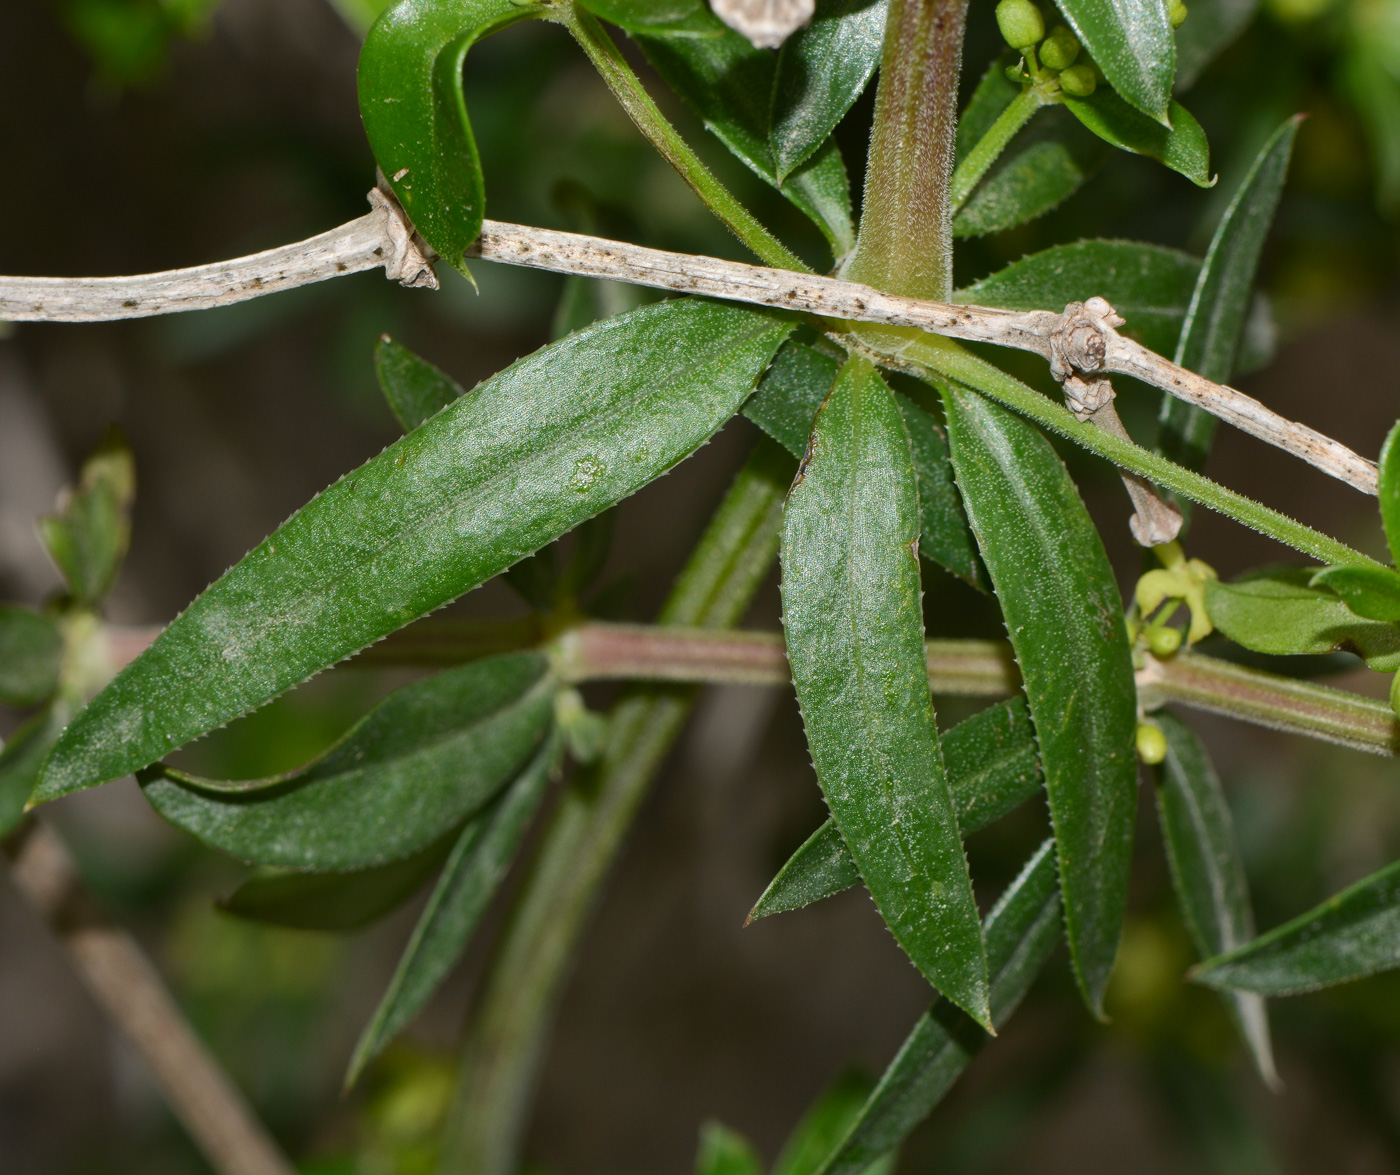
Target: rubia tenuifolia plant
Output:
{"points": [[919, 456]]}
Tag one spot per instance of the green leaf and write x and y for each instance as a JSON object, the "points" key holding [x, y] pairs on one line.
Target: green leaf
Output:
{"points": [[825, 1125], [426, 758], [415, 112], [1207, 872], [784, 407], [1044, 165], [1065, 620], [1214, 327], [1349, 936], [334, 901], [1211, 27], [822, 69], [479, 860], [1371, 592], [855, 639], [21, 759], [415, 389], [1132, 42], [557, 437], [1149, 285], [88, 536], [1183, 147], [31, 651], [658, 18], [1278, 611], [725, 1152], [729, 84], [1021, 931], [992, 769], [1389, 472]]}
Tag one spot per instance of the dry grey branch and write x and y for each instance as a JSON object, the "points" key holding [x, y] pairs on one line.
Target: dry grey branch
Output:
{"points": [[130, 991], [384, 238]]}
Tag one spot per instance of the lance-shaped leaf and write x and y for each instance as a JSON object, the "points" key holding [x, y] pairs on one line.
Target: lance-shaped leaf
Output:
{"points": [[415, 389], [1279, 611], [822, 69], [334, 901], [1214, 326], [1207, 873], [529, 454], [1065, 619], [855, 639], [992, 769], [426, 758], [1349, 936], [825, 1125], [415, 112], [1183, 147], [725, 1152], [1389, 476], [1021, 932], [786, 403], [31, 648], [728, 83], [1371, 592], [1149, 285], [469, 880], [1132, 42]]}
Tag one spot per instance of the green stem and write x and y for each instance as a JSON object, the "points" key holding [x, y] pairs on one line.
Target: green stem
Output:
{"points": [[628, 89], [506, 1039], [946, 358], [989, 148], [906, 240]]}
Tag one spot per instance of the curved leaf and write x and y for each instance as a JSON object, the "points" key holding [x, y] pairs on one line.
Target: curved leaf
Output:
{"points": [[426, 758], [1349, 936], [1214, 327], [415, 113], [1065, 620], [1021, 931], [1370, 592], [1207, 872], [1132, 42], [334, 901], [854, 629], [529, 454], [1389, 475], [1182, 147], [31, 648], [479, 860], [822, 69], [992, 769], [415, 389], [1149, 285], [1278, 611]]}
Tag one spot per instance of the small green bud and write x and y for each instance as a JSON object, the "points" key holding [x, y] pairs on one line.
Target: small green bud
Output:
{"points": [[1060, 49], [1164, 641], [1078, 81], [1151, 744], [1020, 23], [1176, 13]]}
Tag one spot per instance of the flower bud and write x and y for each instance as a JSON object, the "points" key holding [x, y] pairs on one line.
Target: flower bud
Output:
{"points": [[1020, 23], [1151, 744], [1078, 81], [1164, 641], [1060, 49], [1176, 13]]}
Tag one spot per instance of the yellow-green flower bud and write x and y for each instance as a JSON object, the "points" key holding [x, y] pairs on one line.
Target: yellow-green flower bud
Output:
{"points": [[1078, 81], [1164, 641], [1176, 13], [1060, 49], [1151, 744], [1020, 23]]}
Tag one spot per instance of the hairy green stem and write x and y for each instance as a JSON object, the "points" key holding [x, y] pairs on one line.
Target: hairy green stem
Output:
{"points": [[628, 89], [506, 1040], [947, 359], [989, 148], [905, 244]]}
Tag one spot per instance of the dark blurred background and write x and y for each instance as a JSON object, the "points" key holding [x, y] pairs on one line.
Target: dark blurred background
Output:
{"points": [[143, 134]]}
